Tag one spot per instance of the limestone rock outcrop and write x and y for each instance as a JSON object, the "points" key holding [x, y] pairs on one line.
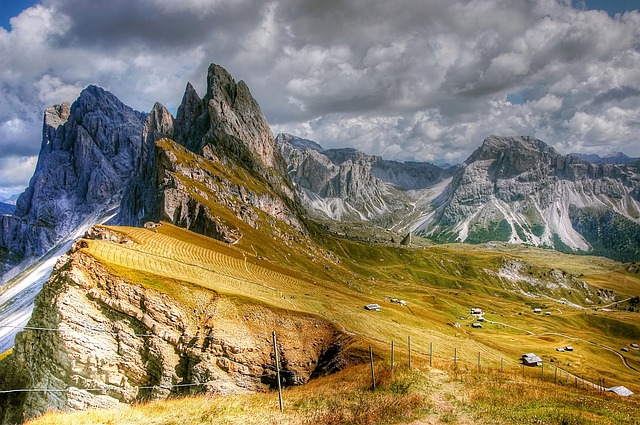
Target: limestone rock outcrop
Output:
{"points": [[229, 121], [349, 185], [128, 343], [219, 151], [140, 199], [89, 152], [520, 190]]}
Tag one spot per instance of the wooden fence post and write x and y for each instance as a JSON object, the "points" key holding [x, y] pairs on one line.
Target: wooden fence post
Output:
{"points": [[373, 374], [275, 350], [393, 359]]}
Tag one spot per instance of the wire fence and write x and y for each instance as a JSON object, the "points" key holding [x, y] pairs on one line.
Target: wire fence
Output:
{"points": [[458, 362]]}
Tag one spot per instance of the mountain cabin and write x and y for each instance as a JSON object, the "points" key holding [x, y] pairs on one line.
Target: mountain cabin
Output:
{"points": [[531, 359], [372, 307]]}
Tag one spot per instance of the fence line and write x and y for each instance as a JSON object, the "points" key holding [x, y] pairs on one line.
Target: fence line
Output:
{"points": [[456, 362], [35, 328], [114, 387]]}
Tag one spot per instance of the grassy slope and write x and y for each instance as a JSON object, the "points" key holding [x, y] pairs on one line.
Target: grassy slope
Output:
{"points": [[335, 277], [440, 284]]}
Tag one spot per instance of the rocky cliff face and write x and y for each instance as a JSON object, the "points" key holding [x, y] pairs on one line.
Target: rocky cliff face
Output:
{"points": [[224, 157], [228, 121], [89, 153], [520, 190], [348, 185], [140, 199], [129, 343]]}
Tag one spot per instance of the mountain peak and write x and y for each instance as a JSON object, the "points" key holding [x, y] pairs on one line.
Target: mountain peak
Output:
{"points": [[510, 142], [522, 151], [298, 142]]}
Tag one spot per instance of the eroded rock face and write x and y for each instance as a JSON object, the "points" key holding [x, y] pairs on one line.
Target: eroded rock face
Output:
{"points": [[117, 336], [349, 185], [191, 205], [89, 152], [520, 190], [140, 199], [228, 120], [181, 181]]}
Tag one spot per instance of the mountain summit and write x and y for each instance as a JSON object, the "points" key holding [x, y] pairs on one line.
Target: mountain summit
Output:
{"points": [[89, 152], [520, 190]]}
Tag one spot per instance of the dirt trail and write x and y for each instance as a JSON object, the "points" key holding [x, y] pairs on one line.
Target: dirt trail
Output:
{"points": [[445, 399]]}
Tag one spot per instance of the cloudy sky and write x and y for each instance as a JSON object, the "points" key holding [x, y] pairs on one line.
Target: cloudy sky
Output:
{"points": [[405, 79]]}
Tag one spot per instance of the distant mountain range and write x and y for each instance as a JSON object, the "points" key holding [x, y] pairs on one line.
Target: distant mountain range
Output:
{"points": [[512, 189], [7, 209], [612, 158]]}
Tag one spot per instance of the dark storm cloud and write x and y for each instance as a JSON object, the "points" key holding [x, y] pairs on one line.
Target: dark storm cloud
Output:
{"points": [[411, 79], [116, 24]]}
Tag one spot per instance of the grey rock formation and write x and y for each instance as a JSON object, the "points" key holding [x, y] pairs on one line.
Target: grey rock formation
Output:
{"points": [[228, 120], [348, 185], [140, 199], [230, 153], [89, 153], [520, 190]]}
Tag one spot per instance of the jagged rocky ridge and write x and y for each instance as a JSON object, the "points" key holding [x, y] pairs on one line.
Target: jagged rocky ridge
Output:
{"points": [[511, 189], [520, 190], [349, 185], [225, 175], [89, 153], [223, 143]]}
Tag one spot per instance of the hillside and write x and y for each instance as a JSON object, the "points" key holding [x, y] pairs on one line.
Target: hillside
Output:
{"points": [[221, 291]]}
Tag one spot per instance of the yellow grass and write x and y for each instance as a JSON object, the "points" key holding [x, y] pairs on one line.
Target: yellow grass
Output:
{"points": [[440, 285]]}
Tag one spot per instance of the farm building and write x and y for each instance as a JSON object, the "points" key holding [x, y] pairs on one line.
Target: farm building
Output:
{"points": [[372, 307], [548, 313], [531, 359], [634, 345], [568, 348], [476, 325], [476, 310], [537, 310]]}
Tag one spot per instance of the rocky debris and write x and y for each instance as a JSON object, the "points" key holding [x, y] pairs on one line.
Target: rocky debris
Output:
{"points": [[117, 336], [89, 152]]}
